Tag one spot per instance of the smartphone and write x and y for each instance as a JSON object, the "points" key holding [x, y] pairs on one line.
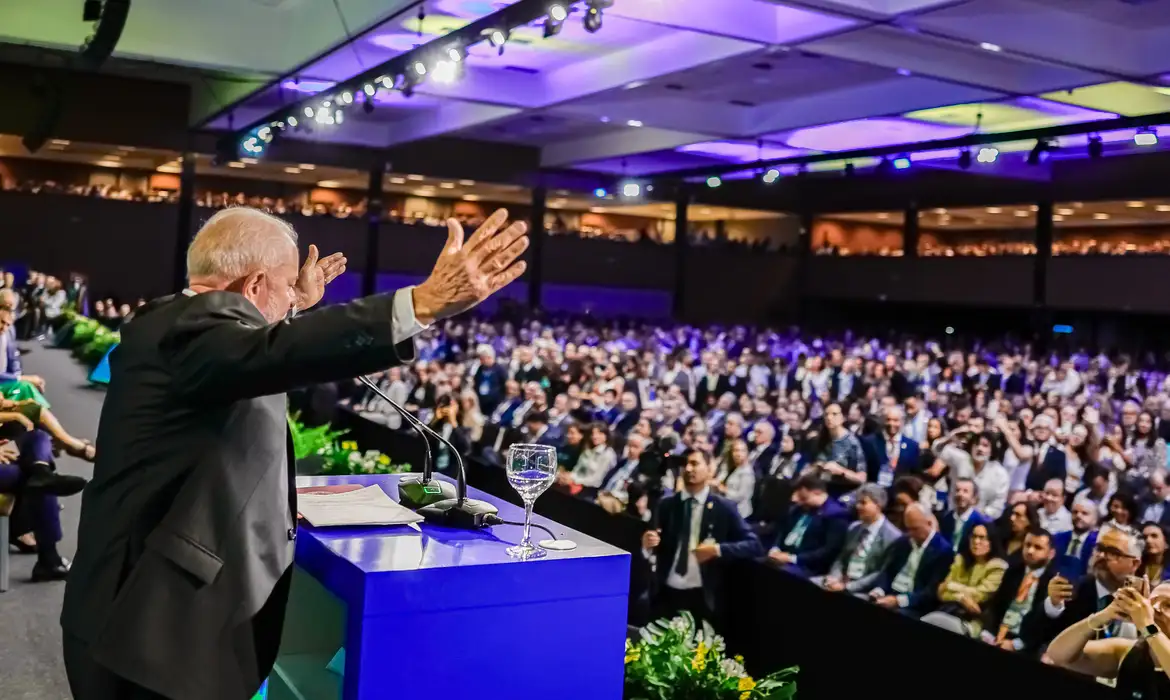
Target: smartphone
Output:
{"points": [[1133, 582], [1070, 568]]}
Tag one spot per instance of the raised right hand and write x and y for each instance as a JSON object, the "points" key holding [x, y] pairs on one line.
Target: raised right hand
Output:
{"points": [[651, 539], [466, 274], [1059, 590]]}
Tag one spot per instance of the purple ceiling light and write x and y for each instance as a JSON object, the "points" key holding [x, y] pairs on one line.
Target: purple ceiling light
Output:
{"points": [[739, 151], [869, 133]]}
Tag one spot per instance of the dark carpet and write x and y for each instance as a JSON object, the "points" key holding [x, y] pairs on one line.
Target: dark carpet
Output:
{"points": [[30, 637]]}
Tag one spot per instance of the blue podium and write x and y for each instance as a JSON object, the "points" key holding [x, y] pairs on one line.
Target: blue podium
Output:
{"points": [[446, 613]]}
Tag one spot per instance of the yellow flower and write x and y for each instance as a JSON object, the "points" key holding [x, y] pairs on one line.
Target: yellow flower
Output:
{"points": [[349, 445], [746, 684], [745, 695], [738, 659], [633, 655], [700, 661], [383, 459]]}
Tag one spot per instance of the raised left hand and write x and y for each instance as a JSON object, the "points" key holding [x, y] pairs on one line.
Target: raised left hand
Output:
{"points": [[1134, 606], [315, 274]]}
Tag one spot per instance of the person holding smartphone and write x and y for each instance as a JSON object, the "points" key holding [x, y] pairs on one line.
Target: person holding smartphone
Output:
{"points": [[1140, 667]]}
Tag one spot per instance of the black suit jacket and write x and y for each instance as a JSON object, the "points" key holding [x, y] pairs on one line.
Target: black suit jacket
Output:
{"points": [[188, 526], [1034, 628], [721, 522], [706, 397]]}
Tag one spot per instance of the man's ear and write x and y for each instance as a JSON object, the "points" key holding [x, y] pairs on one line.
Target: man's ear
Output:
{"points": [[253, 284]]}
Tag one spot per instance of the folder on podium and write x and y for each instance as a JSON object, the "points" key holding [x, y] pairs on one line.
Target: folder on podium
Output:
{"points": [[381, 612]]}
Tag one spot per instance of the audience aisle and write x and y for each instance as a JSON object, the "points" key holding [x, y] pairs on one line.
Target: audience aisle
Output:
{"points": [[30, 637]]}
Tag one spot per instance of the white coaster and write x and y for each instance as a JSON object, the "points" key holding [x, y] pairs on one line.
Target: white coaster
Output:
{"points": [[558, 545]]}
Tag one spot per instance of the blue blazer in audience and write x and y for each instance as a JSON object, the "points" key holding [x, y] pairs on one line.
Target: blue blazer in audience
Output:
{"points": [[824, 535], [1062, 542], [13, 373], [932, 570], [946, 527], [874, 449]]}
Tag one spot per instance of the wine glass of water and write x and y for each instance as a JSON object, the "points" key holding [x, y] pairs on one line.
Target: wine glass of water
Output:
{"points": [[531, 470]]}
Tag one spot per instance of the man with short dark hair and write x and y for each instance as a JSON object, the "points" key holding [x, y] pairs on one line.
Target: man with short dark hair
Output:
{"points": [[1014, 618], [813, 532], [696, 529]]}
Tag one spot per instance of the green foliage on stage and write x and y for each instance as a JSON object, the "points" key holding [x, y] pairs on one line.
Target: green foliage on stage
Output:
{"points": [[88, 338], [320, 444], [678, 660]]}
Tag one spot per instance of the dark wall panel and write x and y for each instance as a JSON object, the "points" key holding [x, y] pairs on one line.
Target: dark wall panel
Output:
{"points": [[571, 260], [1003, 281], [126, 248], [739, 285], [1107, 283]]}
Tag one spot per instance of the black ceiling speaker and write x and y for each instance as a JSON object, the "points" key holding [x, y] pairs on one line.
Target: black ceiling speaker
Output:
{"points": [[110, 21]]}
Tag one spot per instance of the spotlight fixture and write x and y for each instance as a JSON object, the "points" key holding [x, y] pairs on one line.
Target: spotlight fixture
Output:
{"points": [[1039, 152], [455, 54], [600, 192], [901, 162], [338, 117], [555, 20], [631, 189], [497, 38], [987, 154], [347, 97], [1145, 136], [965, 158], [771, 176], [714, 181], [593, 10], [369, 89], [420, 68], [292, 121], [1096, 147], [445, 72]]}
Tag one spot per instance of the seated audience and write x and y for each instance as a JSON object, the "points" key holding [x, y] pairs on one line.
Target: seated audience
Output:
{"points": [[1118, 556], [1054, 517], [1015, 618], [917, 564], [1079, 543], [963, 516], [1013, 527], [866, 546], [812, 536], [975, 575], [1154, 555]]}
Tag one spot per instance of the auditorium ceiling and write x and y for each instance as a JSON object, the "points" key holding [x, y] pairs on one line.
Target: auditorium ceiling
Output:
{"points": [[667, 85]]}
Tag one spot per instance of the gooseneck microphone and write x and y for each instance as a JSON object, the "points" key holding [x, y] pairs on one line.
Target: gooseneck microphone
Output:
{"points": [[453, 511], [414, 492]]}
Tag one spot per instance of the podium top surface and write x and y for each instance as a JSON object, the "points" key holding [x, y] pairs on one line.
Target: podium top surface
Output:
{"points": [[354, 562]]}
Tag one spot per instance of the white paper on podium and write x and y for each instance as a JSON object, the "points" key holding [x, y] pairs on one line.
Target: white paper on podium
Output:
{"points": [[367, 506]]}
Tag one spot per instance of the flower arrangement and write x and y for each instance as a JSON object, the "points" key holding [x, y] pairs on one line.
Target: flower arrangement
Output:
{"points": [[344, 457], [676, 660], [88, 338]]}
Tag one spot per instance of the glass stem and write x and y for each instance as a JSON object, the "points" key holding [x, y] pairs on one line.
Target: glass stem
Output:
{"points": [[526, 541]]}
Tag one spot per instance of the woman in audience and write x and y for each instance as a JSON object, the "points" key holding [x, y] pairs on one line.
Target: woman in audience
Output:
{"points": [[838, 454], [1154, 555], [740, 483], [1017, 454], [1013, 526], [472, 419], [1145, 452], [906, 490], [594, 462], [447, 422], [1123, 509], [974, 576], [570, 450]]}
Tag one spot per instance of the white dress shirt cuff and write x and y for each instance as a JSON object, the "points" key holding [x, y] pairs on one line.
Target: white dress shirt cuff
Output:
{"points": [[1018, 644], [1051, 609], [404, 323], [903, 600]]}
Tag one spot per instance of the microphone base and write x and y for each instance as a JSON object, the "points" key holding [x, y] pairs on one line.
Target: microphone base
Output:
{"points": [[414, 492], [471, 515]]}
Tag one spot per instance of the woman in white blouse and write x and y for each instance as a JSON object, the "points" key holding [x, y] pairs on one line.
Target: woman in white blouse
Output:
{"points": [[740, 481], [596, 460]]}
